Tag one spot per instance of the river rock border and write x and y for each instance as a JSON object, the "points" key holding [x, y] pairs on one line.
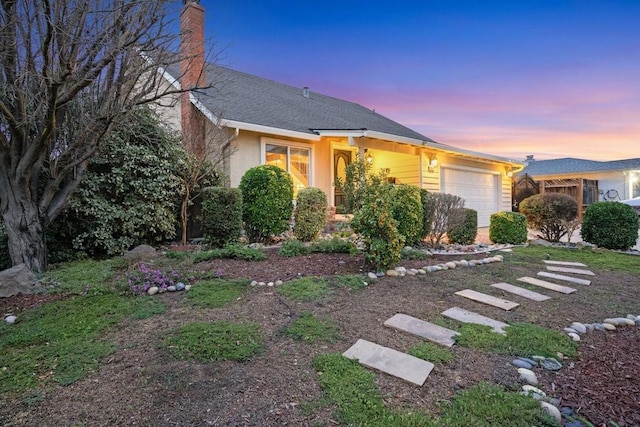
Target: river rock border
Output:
{"points": [[525, 366]]}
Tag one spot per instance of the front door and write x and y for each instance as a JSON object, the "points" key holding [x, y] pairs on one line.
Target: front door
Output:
{"points": [[341, 159]]}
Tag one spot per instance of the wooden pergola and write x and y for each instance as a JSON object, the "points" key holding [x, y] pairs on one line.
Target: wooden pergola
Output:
{"points": [[585, 191]]}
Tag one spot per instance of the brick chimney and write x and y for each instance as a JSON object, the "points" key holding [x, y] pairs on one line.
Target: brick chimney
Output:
{"points": [[192, 64]]}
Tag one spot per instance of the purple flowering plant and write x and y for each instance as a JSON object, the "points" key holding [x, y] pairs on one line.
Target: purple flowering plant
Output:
{"points": [[144, 277]]}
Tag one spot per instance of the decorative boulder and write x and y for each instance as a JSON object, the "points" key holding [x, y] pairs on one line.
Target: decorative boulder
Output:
{"points": [[18, 280]]}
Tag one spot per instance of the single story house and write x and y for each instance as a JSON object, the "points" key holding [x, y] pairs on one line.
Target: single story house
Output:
{"points": [[314, 136], [589, 181]]}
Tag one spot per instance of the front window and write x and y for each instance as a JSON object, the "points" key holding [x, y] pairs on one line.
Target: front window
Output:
{"points": [[294, 160], [635, 184]]}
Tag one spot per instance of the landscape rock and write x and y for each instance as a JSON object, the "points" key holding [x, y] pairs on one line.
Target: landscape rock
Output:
{"points": [[141, 252], [529, 361], [528, 376], [392, 273], [536, 393], [579, 327], [574, 336], [451, 265], [551, 364], [180, 286], [372, 276], [521, 364], [153, 290], [253, 283], [11, 319], [421, 271], [552, 411], [570, 330], [589, 327], [18, 280], [609, 326], [187, 287], [171, 288], [599, 327], [411, 272]]}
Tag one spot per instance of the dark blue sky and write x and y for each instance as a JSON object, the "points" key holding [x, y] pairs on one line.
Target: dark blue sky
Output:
{"points": [[550, 78]]}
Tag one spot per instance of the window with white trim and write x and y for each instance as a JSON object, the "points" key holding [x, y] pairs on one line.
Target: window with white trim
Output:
{"points": [[293, 159]]}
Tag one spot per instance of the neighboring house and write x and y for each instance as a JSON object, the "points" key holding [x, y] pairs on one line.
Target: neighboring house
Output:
{"points": [[315, 137], [589, 181]]}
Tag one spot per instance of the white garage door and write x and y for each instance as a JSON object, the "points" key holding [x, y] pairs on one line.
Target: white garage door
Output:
{"points": [[478, 189]]}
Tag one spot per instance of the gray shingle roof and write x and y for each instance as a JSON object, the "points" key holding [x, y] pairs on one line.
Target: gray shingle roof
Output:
{"points": [[243, 97], [571, 165]]}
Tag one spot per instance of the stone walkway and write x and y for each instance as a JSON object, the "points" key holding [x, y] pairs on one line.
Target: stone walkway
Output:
{"points": [[416, 370]]}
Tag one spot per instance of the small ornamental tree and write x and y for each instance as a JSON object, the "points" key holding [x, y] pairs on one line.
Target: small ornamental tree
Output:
{"points": [[611, 225], [508, 227], [267, 201], [221, 215], [310, 214], [428, 210], [549, 214], [406, 208], [447, 213], [379, 230]]}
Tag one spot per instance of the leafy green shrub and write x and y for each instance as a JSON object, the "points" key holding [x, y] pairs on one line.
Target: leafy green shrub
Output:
{"points": [[211, 341], [548, 213], [334, 246], [412, 253], [5, 259], [379, 230], [428, 211], [232, 251], [611, 225], [508, 227], [310, 214], [221, 215], [464, 232], [447, 213], [292, 248], [406, 208], [130, 194], [267, 201]]}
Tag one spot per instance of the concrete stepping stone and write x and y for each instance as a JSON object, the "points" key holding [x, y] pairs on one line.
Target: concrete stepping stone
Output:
{"points": [[564, 278], [488, 299], [567, 263], [526, 293], [547, 285], [390, 361], [462, 315], [426, 330], [570, 270]]}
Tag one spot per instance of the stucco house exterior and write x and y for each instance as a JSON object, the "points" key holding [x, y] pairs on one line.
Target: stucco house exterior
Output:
{"points": [[314, 136]]}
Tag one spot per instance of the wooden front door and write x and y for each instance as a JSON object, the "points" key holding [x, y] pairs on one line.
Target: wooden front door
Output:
{"points": [[341, 159]]}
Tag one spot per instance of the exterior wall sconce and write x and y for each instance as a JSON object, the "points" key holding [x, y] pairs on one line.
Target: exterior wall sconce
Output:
{"points": [[367, 156], [433, 163], [508, 172]]}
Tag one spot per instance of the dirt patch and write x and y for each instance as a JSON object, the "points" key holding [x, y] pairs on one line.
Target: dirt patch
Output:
{"points": [[141, 384]]}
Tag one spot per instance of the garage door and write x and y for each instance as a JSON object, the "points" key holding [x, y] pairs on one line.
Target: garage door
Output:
{"points": [[478, 189]]}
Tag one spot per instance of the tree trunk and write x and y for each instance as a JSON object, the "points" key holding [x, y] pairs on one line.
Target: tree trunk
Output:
{"points": [[25, 234]]}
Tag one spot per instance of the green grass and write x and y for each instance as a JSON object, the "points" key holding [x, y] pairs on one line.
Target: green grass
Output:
{"points": [[431, 352], [221, 340], [309, 328], [594, 258], [487, 405], [353, 390], [351, 281], [521, 339], [75, 277], [216, 293], [61, 342], [232, 251], [305, 288]]}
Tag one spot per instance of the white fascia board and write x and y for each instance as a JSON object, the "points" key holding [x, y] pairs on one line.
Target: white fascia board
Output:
{"points": [[356, 133], [217, 121], [456, 150], [394, 138]]}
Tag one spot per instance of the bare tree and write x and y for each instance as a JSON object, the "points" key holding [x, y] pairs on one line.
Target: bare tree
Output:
{"points": [[70, 70]]}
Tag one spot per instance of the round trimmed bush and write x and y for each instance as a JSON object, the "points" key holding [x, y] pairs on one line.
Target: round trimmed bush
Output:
{"points": [[611, 225], [267, 201], [548, 213], [310, 214], [406, 207], [508, 227], [465, 231], [222, 215]]}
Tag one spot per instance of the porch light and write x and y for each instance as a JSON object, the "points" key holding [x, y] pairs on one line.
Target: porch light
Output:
{"points": [[433, 163]]}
